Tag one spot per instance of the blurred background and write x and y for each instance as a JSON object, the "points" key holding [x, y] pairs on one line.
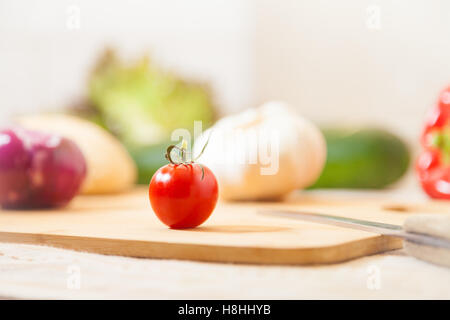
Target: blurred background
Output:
{"points": [[333, 60], [358, 62]]}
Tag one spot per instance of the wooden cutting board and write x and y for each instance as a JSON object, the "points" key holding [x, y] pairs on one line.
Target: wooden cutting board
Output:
{"points": [[125, 225]]}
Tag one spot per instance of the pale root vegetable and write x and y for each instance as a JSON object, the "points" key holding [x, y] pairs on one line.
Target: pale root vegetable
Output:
{"points": [[263, 153], [110, 167]]}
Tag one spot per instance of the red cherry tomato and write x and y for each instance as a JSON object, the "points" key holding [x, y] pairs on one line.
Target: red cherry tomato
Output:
{"points": [[183, 195]]}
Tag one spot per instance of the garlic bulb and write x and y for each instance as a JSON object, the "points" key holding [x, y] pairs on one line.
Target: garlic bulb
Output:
{"points": [[263, 153]]}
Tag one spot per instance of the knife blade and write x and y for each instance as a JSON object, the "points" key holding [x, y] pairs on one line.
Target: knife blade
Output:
{"points": [[386, 229]]}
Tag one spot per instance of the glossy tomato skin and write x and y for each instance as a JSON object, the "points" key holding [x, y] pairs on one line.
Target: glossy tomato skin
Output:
{"points": [[180, 197]]}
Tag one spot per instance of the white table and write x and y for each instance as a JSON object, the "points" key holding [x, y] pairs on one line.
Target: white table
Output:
{"points": [[28, 271]]}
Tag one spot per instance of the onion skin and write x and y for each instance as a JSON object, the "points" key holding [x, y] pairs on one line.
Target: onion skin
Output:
{"points": [[38, 170]]}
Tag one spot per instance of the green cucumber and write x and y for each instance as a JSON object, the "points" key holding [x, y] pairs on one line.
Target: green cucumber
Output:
{"points": [[364, 158]]}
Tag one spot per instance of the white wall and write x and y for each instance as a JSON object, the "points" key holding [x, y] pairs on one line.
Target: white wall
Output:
{"points": [[326, 58], [44, 64]]}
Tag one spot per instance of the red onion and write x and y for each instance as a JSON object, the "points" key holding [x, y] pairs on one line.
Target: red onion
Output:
{"points": [[38, 170]]}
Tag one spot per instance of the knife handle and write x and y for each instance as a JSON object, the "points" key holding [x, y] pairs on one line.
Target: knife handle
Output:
{"points": [[436, 225]]}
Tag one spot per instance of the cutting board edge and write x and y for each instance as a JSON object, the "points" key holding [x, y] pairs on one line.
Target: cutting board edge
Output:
{"points": [[211, 253]]}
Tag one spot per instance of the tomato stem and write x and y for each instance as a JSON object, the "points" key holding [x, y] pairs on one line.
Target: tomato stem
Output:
{"points": [[204, 147], [184, 153]]}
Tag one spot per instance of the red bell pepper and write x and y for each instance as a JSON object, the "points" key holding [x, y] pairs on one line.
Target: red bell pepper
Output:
{"points": [[433, 164]]}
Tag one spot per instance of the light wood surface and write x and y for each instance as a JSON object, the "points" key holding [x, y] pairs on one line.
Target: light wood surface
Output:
{"points": [[125, 225]]}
